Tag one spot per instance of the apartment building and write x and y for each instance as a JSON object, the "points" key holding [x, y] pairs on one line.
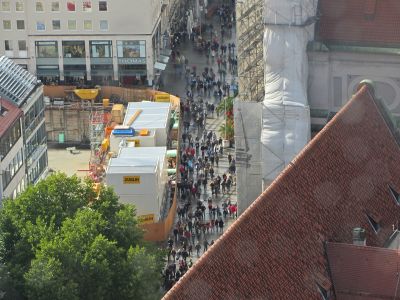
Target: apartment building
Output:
{"points": [[23, 146], [101, 42], [12, 179]]}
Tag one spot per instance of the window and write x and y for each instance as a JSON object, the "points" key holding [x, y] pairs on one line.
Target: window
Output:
{"points": [[22, 45], [87, 6], [55, 6], [20, 24], [56, 24], [103, 25], [5, 5], [46, 49], [74, 49], [100, 49], [72, 24], [395, 195], [71, 5], [325, 294], [39, 6], [87, 24], [40, 26], [8, 45], [103, 6], [6, 24], [131, 49], [374, 222], [19, 6]]}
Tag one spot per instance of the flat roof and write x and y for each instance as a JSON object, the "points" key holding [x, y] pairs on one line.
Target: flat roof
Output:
{"points": [[129, 152], [126, 165], [154, 114], [9, 113]]}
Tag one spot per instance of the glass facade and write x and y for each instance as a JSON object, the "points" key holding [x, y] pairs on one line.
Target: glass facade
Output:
{"points": [[34, 116], [37, 169], [100, 49], [47, 49], [73, 49], [12, 169], [38, 139], [9, 138], [131, 49]]}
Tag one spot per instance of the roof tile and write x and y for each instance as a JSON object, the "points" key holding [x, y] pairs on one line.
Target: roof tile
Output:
{"points": [[274, 249]]}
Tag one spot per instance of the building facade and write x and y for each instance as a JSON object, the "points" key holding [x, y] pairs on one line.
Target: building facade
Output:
{"points": [[100, 42], [12, 171], [23, 145]]}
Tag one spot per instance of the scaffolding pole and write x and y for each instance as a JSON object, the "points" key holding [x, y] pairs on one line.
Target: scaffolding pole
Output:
{"points": [[250, 29]]}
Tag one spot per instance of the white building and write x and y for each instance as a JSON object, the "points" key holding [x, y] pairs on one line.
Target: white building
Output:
{"points": [[23, 146], [95, 41]]}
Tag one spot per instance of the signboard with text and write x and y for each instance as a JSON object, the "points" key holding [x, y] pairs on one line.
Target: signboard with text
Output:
{"points": [[146, 219], [131, 180], [132, 61]]}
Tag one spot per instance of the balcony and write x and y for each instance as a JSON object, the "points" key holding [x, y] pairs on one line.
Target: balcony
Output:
{"points": [[36, 154]]}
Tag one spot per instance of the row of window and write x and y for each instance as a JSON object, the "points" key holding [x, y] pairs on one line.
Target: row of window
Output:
{"points": [[100, 49], [12, 169], [9, 139], [56, 25], [55, 6], [72, 25], [8, 45], [37, 169]]}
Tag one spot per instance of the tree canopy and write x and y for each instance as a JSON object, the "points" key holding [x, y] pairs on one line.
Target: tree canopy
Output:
{"points": [[59, 240]]}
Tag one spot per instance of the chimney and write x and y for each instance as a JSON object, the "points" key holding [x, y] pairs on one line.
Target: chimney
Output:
{"points": [[359, 237]]}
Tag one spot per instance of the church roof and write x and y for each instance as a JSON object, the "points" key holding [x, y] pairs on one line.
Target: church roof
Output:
{"points": [[276, 249]]}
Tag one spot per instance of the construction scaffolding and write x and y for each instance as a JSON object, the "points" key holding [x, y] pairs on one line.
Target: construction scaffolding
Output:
{"points": [[249, 31], [98, 122]]}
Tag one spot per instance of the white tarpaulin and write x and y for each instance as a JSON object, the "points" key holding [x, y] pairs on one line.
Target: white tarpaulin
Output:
{"points": [[285, 113]]}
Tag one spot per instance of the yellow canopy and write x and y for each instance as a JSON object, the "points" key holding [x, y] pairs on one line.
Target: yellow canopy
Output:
{"points": [[86, 94]]}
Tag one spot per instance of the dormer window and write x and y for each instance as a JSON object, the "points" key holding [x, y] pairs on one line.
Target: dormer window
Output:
{"points": [[395, 195], [374, 222], [324, 286]]}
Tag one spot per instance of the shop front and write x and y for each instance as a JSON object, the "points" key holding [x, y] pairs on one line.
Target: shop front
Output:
{"points": [[74, 62], [101, 64], [132, 69], [47, 64]]}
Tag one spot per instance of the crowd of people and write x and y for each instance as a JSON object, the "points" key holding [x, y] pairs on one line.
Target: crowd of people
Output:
{"points": [[205, 187]]}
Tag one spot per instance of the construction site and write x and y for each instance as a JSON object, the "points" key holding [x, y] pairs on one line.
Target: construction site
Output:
{"points": [[124, 138]]}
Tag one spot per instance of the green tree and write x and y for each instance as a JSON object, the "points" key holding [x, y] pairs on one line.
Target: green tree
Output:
{"points": [[80, 247]]}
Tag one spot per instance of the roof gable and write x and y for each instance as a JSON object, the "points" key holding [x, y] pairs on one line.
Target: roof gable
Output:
{"points": [[275, 250]]}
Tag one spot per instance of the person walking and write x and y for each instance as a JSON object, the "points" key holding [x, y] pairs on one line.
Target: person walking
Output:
{"points": [[205, 244], [198, 248]]}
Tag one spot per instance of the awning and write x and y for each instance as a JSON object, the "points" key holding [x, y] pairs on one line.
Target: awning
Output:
{"points": [[160, 66], [163, 59]]}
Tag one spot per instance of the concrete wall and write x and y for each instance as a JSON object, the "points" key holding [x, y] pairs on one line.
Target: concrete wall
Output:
{"points": [[73, 122], [334, 77]]}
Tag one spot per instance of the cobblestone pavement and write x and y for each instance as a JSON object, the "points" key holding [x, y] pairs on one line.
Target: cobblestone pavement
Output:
{"points": [[175, 84]]}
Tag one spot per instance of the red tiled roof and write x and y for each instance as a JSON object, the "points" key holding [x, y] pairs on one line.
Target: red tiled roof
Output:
{"points": [[275, 250], [7, 120], [360, 270], [369, 22]]}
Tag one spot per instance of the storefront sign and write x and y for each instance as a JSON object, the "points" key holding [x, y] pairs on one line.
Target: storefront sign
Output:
{"points": [[131, 179], [162, 97], [132, 61], [146, 219]]}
